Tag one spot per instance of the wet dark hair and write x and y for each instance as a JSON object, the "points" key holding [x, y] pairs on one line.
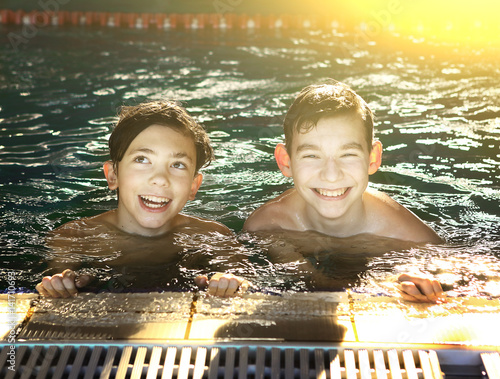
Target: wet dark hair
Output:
{"points": [[134, 119], [317, 101]]}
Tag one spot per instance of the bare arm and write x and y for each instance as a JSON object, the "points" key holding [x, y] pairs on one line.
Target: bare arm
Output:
{"points": [[226, 257], [390, 219], [63, 241]]}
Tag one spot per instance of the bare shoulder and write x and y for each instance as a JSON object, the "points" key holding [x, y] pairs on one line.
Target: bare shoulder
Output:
{"points": [[80, 236], [85, 226], [203, 225], [275, 214], [391, 219]]}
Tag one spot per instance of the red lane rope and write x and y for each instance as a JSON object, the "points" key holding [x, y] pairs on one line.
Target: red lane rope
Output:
{"points": [[162, 20]]}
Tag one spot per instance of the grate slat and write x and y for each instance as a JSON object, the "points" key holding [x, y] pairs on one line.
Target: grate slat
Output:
{"points": [[364, 364], [379, 363], [335, 370], [275, 363], [289, 363], [140, 357], [63, 360], [108, 362], [243, 365], [168, 366], [121, 372], [260, 363], [319, 363], [154, 362], [229, 367], [183, 371], [394, 366], [3, 356], [411, 370], [94, 360], [304, 364], [47, 361], [425, 364], [436, 367], [199, 364], [350, 364], [214, 363], [77, 363], [19, 357], [491, 363], [28, 369]]}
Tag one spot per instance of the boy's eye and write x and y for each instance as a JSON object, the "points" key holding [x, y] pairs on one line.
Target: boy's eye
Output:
{"points": [[141, 159], [179, 165]]}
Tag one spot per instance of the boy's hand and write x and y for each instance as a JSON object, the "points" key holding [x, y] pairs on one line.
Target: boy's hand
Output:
{"points": [[223, 285], [419, 288], [63, 285]]}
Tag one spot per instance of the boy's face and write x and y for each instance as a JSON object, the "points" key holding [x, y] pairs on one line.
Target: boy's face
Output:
{"points": [[156, 178], [330, 165]]}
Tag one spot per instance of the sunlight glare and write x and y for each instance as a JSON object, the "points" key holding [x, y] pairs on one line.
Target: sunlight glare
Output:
{"points": [[444, 20]]}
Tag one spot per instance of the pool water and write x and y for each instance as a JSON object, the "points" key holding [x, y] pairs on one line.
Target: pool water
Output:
{"points": [[438, 117]]}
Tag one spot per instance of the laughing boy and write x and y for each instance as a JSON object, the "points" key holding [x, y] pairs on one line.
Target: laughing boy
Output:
{"points": [[157, 150], [330, 153]]}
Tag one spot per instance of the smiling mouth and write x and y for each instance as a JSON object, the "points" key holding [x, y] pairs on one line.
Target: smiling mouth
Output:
{"points": [[154, 202], [331, 193]]}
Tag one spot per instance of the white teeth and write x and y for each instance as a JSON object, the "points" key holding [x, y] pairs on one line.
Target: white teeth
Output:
{"points": [[154, 201], [332, 193]]}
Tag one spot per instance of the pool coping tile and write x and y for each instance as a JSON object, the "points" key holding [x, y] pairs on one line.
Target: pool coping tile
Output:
{"points": [[293, 317], [13, 311], [391, 320]]}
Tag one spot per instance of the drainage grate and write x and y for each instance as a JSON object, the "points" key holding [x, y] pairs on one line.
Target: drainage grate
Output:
{"points": [[115, 361]]}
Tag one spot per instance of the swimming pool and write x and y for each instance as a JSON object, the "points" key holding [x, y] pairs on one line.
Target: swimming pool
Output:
{"points": [[437, 117]]}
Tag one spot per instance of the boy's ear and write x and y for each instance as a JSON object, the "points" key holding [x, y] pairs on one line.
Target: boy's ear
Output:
{"points": [[283, 159], [110, 174], [195, 185], [375, 157]]}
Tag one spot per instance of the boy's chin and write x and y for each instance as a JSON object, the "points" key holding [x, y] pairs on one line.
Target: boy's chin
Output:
{"points": [[149, 229], [331, 216], [329, 213]]}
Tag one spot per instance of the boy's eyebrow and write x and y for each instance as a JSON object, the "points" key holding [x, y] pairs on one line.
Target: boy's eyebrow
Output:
{"points": [[307, 146], [352, 145], [179, 154], [182, 154], [347, 146], [141, 150]]}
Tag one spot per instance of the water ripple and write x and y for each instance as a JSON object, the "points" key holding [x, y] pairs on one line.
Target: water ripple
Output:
{"points": [[437, 115], [20, 118]]}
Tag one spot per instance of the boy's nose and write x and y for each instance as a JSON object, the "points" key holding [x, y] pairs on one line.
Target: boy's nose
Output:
{"points": [[331, 171], [160, 178]]}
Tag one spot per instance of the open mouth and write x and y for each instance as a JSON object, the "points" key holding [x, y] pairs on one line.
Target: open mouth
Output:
{"points": [[154, 202], [332, 193]]}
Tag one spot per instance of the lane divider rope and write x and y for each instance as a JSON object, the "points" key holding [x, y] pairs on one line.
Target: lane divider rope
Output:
{"points": [[165, 21]]}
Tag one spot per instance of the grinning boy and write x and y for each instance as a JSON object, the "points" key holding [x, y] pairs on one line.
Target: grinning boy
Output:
{"points": [[330, 153], [156, 151]]}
